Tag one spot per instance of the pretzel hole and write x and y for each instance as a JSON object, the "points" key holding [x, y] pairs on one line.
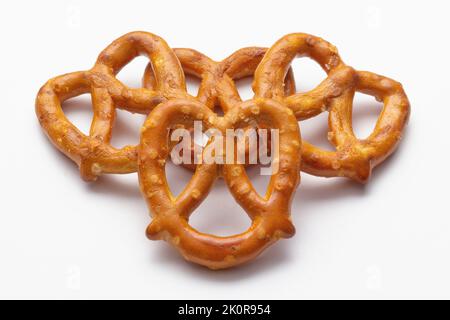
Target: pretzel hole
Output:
{"points": [[244, 87], [177, 177], [315, 131], [79, 111], [130, 75], [126, 130], [219, 214], [307, 73], [366, 110], [260, 177]]}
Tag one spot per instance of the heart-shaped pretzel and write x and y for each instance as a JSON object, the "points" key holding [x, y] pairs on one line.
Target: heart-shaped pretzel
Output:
{"points": [[93, 153], [270, 214], [353, 158]]}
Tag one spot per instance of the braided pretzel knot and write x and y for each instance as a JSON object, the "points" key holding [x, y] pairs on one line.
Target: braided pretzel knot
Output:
{"points": [[270, 214], [93, 153], [353, 158], [217, 86]]}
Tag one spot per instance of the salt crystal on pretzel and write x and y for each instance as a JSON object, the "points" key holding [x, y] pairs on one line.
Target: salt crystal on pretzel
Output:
{"points": [[163, 80]]}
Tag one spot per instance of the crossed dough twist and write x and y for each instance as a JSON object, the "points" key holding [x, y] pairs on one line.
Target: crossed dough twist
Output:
{"points": [[217, 86], [275, 106], [270, 214]]}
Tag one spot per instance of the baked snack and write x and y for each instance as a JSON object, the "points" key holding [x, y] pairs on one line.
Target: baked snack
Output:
{"points": [[354, 158], [275, 106], [94, 154]]}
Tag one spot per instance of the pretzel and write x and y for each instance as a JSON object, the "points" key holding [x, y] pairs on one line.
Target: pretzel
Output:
{"points": [[270, 214], [93, 153], [354, 158], [217, 86]]}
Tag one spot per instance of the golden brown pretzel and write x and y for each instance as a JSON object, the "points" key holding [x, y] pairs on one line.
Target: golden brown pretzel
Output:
{"points": [[354, 158], [270, 214], [93, 153], [217, 87]]}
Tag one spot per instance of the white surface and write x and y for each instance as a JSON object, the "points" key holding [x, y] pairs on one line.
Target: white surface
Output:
{"points": [[63, 238]]}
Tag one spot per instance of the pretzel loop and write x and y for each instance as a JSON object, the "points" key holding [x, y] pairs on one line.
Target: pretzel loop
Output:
{"points": [[93, 153], [269, 75], [169, 76], [270, 214]]}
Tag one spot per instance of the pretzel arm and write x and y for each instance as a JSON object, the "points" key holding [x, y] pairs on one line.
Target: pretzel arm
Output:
{"points": [[104, 115], [312, 103], [217, 86], [394, 116], [270, 215], [61, 132]]}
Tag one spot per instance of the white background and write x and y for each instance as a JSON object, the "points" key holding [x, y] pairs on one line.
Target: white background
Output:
{"points": [[63, 238]]}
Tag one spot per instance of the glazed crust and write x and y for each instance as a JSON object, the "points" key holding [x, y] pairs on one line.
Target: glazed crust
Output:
{"points": [[270, 214]]}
